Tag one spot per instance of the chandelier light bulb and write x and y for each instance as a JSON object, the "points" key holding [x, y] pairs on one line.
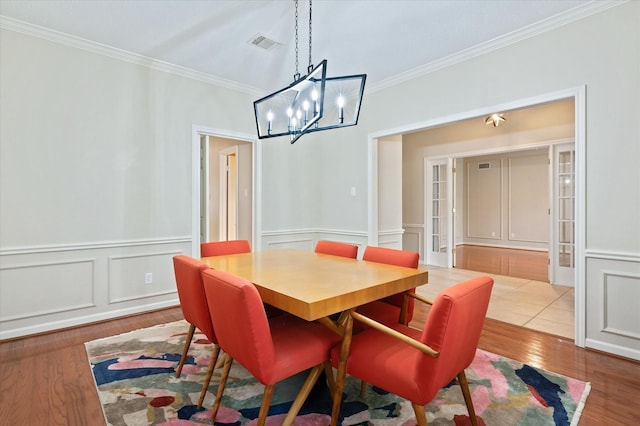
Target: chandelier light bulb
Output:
{"points": [[341, 109], [270, 121]]}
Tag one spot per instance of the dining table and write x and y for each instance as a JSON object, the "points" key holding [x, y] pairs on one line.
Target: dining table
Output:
{"points": [[319, 287]]}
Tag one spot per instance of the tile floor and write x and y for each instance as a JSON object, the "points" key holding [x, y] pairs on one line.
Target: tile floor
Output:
{"points": [[532, 304]]}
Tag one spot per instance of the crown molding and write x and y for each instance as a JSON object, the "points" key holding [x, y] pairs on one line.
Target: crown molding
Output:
{"points": [[580, 12], [577, 13], [18, 26]]}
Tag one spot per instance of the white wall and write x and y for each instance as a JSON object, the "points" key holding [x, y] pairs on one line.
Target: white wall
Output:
{"points": [[95, 181], [507, 204]]}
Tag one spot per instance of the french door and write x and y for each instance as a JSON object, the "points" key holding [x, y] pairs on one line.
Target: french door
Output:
{"points": [[438, 211], [562, 257]]}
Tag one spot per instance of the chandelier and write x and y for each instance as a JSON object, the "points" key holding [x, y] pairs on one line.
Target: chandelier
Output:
{"points": [[312, 102]]}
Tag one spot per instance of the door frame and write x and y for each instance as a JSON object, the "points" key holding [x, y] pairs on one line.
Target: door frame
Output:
{"points": [[579, 95], [256, 172]]}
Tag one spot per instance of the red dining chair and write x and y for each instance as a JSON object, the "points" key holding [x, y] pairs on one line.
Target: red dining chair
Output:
{"points": [[188, 272], [415, 364], [220, 248], [270, 349], [389, 310], [337, 249]]}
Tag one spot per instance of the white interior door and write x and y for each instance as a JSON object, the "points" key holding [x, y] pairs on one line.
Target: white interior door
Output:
{"points": [[204, 188], [228, 194], [438, 208], [562, 257]]}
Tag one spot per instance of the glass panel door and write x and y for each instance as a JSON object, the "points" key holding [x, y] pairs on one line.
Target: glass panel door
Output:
{"points": [[562, 252], [437, 215]]}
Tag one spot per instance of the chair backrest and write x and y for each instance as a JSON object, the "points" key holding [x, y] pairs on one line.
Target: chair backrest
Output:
{"points": [[337, 249], [453, 328], [220, 248], [240, 321], [188, 272], [408, 259]]}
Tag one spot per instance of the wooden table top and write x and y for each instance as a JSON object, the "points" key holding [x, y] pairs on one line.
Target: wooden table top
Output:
{"points": [[312, 285]]}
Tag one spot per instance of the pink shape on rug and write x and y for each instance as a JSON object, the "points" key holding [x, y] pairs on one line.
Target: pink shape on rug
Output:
{"points": [[141, 363], [481, 399], [576, 389], [483, 368], [178, 422], [153, 392], [224, 415], [202, 360], [190, 369]]}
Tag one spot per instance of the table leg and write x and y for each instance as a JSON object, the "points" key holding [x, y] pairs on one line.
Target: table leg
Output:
{"points": [[341, 374]]}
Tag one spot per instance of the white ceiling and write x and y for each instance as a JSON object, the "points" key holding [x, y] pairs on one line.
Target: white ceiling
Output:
{"points": [[385, 39]]}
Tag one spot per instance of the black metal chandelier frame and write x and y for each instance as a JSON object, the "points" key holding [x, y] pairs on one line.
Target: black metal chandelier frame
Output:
{"points": [[311, 103]]}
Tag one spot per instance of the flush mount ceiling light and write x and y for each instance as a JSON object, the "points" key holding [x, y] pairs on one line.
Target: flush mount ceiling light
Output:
{"points": [[495, 119], [311, 103]]}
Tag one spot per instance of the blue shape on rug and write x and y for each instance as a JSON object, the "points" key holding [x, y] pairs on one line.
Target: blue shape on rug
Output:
{"points": [[548, 390]]}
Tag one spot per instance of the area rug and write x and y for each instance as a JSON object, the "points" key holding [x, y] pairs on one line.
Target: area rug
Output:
{"points": [[135, 377]]}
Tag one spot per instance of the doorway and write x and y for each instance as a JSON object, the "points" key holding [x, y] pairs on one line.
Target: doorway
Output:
{"points": [[224, 187], [379, 194]]}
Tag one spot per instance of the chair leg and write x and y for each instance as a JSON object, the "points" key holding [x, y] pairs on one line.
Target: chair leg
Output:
{"points": [[421, 415], [311, 380], [363, 388], [223, 382], [207, 379], [185, 350], [266, 403], [464, 385], [330, 378]]}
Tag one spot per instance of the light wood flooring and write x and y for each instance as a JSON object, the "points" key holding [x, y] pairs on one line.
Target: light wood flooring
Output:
{"points": [[515, 263], [46, 379]]}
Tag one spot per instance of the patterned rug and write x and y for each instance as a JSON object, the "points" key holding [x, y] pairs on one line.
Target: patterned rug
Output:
{"points": [[135, 377]]}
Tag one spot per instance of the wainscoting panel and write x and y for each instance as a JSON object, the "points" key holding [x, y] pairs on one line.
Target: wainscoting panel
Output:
{"points": [[24, 290], [617, 289], [129, 276], [307, 239], [391, 238], [48, 288], [613, 294]]}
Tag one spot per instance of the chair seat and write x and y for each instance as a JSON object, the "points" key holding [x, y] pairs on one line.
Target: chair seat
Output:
{"points": [[390, 360], [291, 357]]}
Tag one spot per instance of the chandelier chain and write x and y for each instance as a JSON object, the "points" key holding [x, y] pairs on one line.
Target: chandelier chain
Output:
{"points": [[296, 76], [310, 63]]}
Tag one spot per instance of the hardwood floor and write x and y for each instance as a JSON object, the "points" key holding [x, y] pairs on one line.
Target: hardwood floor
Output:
{"points": [[46, 379], [527, 264]]}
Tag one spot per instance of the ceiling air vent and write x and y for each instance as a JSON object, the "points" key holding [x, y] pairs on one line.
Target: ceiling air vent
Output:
{"points": [[484, 166], [263, 42]]}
